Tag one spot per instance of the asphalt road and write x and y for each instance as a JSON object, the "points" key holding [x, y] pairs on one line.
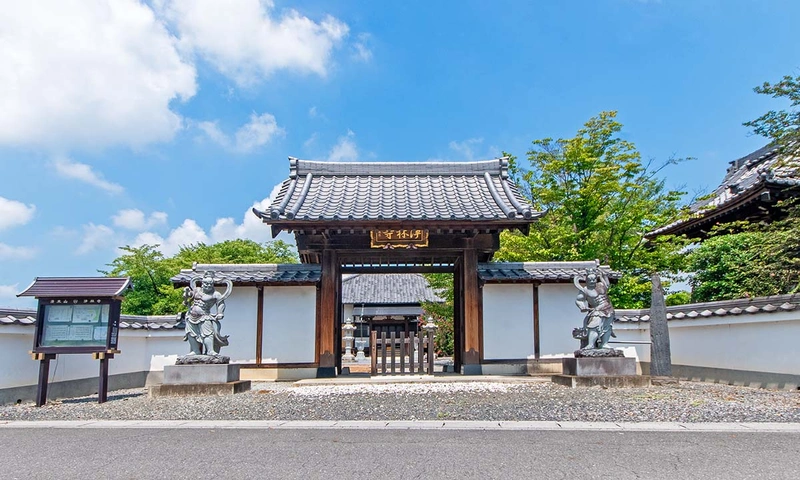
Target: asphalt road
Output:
{"points": [[404, 454]]}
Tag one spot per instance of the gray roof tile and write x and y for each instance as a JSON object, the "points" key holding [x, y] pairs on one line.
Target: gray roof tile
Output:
{"points": [[500, 272], [776, 303], [12, 316], [466, 191], [766, 166], [397, 288], [251, 274], [45, 287]]}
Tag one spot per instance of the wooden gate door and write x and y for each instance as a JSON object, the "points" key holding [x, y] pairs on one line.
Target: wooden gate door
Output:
{"points": [[401, 353]]}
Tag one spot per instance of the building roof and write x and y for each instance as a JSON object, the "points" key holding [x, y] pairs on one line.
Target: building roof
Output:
{"points": [[46, 287], [254, 274], [352, 192], [12, 316], [746, 181], [393, 288], [741, 306], [546, 272]]}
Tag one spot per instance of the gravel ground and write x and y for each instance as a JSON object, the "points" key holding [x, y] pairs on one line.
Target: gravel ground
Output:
{"points": [[686, 402]]}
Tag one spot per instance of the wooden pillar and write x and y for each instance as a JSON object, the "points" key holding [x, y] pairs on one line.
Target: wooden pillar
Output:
{"points": [[102, 392], [326, 317], [44, 375], [458, 315], [472, 313], [536, 347], [259, 325]]}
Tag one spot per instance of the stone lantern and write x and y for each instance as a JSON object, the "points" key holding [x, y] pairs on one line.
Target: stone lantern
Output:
{"points": [[347, 333]]}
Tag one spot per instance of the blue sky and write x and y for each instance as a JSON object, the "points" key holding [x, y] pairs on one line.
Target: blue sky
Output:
{"points": [[124, 122]]}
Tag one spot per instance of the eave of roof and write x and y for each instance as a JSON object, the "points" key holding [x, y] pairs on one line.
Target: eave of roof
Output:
{"points": [[50, 287], [370, 193], [539, 272], [698, 311], [747, 178], [24, 317], [254, 274]]}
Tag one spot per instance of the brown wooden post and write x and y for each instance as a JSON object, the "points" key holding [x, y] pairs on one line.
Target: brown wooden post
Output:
{"points": [[102, 392], [44, 375], [259, 325], [373, 352], [326, 333], [393, 352], [421, 349], [411, 339], [536, 348], [472, 314], [383, 352], [403, 339]]}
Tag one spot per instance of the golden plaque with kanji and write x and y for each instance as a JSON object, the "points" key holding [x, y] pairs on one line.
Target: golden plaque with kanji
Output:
{"points": [[398, 238]]}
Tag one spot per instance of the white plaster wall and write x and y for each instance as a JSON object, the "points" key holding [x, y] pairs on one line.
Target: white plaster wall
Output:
{"points": [[289, 324], [140, 349], [347, 311], [241, 312], [507, 321], [558, 315]]}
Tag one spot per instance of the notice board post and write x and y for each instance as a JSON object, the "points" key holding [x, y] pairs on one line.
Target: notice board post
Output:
{"points": [[76, 315]]}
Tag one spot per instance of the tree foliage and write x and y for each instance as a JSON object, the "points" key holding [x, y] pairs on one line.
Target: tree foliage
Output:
{"points": [[150, 271], [442, 313], [781, 126], [600, 199]]}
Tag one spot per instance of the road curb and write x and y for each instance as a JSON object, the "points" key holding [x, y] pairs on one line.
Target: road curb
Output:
{"points": [[413, 425]]}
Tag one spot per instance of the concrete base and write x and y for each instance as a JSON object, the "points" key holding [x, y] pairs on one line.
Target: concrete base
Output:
{"points": [[617, 381], [608, 366], [277, 373], [472, 369], [545, 366], [178, 390], [200, 374], [326, 372]]}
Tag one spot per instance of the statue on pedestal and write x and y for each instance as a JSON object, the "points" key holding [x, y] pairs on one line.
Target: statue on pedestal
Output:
{"points": [[598, 323], [203, 326]]}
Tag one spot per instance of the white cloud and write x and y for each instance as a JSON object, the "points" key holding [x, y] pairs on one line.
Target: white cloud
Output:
{"points": [[345, 149], [189, 232], [259, 131], [312, 112], [246, 41], [84, 173], [135, 219], [79, 73], [361, 50], [97, 237], [9, 291], [467, 147], [310, 141], [7, 252], [14, 213]]}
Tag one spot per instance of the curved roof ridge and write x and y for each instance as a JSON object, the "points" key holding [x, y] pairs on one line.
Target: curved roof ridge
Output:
{"points": [[497, 166]]}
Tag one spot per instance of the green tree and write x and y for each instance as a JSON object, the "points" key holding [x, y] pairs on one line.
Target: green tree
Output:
{"points": [[442, 313], [781, 126], [150, 271], [600, 200]]}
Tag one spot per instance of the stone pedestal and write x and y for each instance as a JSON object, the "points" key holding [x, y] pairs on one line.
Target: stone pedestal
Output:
{"points": [[603, 371], [200, 379]]}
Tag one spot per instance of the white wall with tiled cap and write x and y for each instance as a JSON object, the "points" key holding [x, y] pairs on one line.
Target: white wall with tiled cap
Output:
{"points": [[507, 321], [558, 315], [289, 324], [241, 313]]}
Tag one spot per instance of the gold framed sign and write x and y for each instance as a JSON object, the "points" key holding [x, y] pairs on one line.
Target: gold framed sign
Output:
{"points": [[398, 238]]}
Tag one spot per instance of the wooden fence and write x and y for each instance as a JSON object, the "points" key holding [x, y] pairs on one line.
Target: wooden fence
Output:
{"points": [[389, 354]]}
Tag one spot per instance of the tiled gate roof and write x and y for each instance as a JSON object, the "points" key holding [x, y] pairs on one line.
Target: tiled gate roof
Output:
{"points": [[418, 191]]}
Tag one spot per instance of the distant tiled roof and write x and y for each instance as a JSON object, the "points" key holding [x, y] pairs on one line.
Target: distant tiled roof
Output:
{"points": [[421, 191], [766, 167], [742, 306], [45, 287], [500, 272], [254, 274], [10, 316], [387, 288]]}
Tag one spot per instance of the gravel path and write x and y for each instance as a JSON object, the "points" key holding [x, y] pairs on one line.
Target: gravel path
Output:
{"points": [[686, 402]]}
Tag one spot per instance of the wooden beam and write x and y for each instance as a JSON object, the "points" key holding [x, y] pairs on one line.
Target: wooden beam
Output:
{"points": [[326, 320], [259, 325]]}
